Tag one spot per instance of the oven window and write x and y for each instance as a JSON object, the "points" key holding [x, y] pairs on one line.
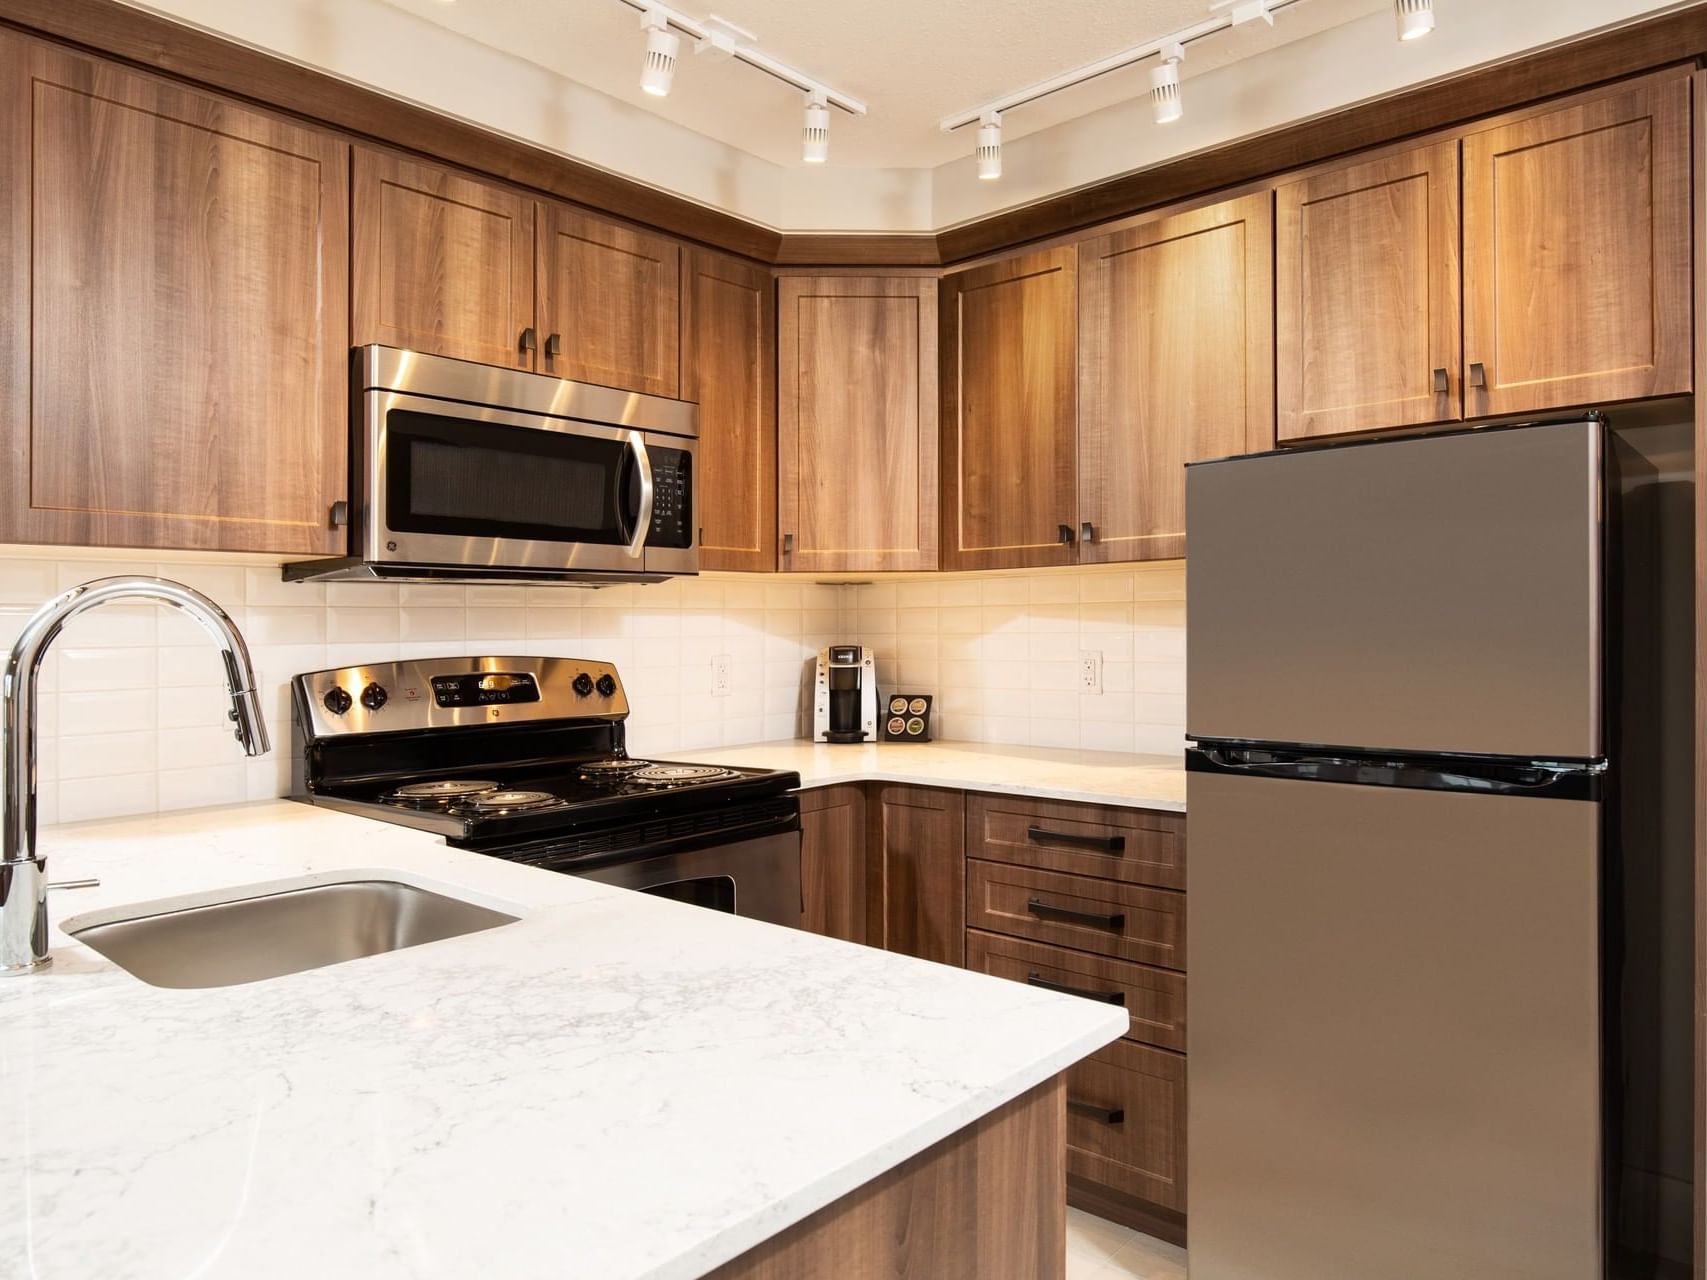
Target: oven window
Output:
{"points": [[716, 892], [479, 479]]}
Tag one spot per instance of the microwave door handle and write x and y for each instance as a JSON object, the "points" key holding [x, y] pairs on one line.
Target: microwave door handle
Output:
{"points": [[643, 519]]}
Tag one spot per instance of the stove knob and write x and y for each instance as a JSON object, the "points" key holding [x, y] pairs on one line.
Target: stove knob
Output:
{"points": [[337, 700], [374, 697], [582, 684], [607, 684]]}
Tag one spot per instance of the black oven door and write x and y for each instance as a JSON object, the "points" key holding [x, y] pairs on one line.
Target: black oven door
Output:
{"points": [[467, 486]]}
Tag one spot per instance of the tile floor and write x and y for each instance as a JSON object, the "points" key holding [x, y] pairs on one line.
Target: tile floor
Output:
{"points": [[1101, 1250]]}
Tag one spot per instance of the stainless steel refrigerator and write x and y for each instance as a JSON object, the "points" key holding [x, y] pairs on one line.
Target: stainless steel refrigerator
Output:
{"points": [[1399, 783]]}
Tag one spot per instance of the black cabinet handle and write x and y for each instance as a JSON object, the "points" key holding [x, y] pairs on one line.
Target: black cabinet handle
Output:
{"points": [[788, 544], [1478, 374], [530, 340], [554, 346], [1103, 844], [1066, 534], [1107, 997], [1087, 531], [1104, 1115], [1441, 382], [1044, 911]]}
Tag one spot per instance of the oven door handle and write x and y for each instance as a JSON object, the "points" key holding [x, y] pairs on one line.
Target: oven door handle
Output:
{"points": [[642, 519]]}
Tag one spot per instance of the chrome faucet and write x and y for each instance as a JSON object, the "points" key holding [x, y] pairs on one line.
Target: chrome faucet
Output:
{"points": [[23, 873]]}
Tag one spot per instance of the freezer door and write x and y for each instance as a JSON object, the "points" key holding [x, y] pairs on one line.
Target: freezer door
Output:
{"points": [[1394, 1040], [1429, 595]]}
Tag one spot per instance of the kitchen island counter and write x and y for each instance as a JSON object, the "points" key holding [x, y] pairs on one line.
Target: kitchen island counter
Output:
{"points": [[612, 1086]]}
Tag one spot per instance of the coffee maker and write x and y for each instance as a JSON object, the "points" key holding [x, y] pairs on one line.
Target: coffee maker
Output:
{"points": [[844, 705]]}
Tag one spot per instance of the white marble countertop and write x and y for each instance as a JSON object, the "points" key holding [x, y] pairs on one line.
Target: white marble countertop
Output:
{"points": [[613, 1086], [1091, 777]]}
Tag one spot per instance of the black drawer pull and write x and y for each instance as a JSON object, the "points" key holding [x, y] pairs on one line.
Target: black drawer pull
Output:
{"points": [[1107, 997], [1103, 1115], [1045, 911], [1106, 844]]}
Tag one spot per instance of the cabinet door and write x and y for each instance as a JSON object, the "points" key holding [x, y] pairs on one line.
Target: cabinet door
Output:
{"points": [[729, 367], [1126, 1122], [832, 861], [1176, 334], [442, 263], [1010, 413], [1366, 302], [175, 294], [920, 889], [857, 423], [1577, 279], [609, 303]]}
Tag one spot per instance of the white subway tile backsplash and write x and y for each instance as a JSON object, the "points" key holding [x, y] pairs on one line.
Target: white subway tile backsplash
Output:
{"points": [[1002, 653]]}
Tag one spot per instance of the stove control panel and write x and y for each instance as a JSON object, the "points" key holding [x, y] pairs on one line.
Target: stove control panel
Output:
{"points": [[429, 693], [485, 689]]}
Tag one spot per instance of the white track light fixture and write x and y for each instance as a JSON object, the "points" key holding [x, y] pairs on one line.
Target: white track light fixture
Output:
{"points": [[1415, 18], [1164, 84], [815, 136], [990, 145], [662, 46]]}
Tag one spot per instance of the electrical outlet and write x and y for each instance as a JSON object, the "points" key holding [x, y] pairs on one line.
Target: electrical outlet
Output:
{"points": [[721, 679], [1090, 671]]}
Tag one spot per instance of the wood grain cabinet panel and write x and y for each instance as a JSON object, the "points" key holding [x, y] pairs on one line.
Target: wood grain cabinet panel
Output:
{"points": [[609, 303], [1176, 323], [832, 862], [729, 367], [1010, 414], [443, 263], [1139, 846], [857, 423], [1126, 1115], [1101, 916], [176, 327], [1367, 295], [1154, 998], [1577, 279], [919, 891]]}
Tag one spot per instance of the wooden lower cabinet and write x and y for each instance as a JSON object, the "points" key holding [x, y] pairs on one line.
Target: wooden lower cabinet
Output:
{"points": [[1102, 916], [1153, 998], [1126, 1122], [987, 1203], [1113, 936], [832, 862], [918, 891]]}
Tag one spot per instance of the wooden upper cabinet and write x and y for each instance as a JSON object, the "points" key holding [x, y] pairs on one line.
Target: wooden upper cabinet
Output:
{"points": [[609, 303], [1366, 306], [1176, 325], [729, 367], [1577, 282], [1010, 415], [442, 263], [175, 314], [857, 423]]}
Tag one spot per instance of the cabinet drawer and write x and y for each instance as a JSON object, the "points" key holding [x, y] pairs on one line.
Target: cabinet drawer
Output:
{"points": [[1154, 999], [1126, 1122], [1120, 920], [1138, 846]]}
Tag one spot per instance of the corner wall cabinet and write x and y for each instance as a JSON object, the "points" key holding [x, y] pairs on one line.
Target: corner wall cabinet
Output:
{"points": [[857, 423]]}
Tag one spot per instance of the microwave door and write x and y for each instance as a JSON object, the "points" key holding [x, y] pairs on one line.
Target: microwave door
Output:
{"points": [[471, 486]]}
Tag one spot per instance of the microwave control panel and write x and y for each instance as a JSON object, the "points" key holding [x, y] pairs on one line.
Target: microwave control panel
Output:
{"points": [[672, 498]]}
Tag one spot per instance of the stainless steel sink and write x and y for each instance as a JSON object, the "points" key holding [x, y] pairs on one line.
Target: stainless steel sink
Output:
{"points": [[221, 944]]}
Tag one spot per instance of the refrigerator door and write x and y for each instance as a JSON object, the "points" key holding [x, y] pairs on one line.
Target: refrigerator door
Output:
{"points": [[1394, 1033], [1430, 595]]}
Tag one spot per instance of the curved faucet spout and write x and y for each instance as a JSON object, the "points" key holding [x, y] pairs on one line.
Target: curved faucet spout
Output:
{"points": [[23, 873]]}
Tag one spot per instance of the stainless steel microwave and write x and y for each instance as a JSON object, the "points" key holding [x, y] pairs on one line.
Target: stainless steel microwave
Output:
{"points": [[466, 472]]}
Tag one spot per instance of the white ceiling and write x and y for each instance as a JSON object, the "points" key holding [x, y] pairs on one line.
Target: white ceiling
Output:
{"points": [[911, 61]]}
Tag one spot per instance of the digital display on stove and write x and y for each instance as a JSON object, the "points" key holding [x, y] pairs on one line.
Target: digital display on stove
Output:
{"points": [[485, 689]]}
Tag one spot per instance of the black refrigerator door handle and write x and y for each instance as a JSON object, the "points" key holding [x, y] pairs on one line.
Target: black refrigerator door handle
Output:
{"points": [[1477, 776]]}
